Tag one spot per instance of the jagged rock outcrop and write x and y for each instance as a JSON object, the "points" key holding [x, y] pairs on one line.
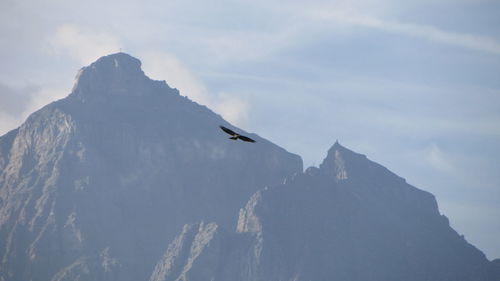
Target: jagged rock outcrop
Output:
{"points": [[94, 185], [350, 219], [207, 252]]}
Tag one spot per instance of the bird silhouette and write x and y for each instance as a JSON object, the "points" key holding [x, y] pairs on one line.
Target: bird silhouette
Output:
{"points": [[235, 136]]}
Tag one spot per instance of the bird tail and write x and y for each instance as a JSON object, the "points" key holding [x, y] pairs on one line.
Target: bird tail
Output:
{"points": [[233, 138]]}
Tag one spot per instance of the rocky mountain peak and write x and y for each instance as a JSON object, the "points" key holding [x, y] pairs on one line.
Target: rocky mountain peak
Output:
{"points": [[338, 160], [92, 184], [111, 76], [343, 164], [366, 224]]}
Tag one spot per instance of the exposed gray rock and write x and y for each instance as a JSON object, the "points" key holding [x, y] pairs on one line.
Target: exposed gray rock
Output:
{"points": [[351, 219], [94, 185], [207, 252]]}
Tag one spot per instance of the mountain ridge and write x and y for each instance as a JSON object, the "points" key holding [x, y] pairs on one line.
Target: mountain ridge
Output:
{"points": [[125, 179], [316, 227]]}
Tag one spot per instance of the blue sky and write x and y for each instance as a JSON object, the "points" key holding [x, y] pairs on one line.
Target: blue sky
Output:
{"points": [[414, 85]]}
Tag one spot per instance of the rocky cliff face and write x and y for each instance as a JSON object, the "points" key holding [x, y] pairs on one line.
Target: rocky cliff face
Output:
{"points": [[93, 186], [350, 219]]}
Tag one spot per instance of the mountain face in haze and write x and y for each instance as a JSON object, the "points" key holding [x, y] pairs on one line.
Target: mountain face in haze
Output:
{"points": [[93, 186], [125, 179], [350, 219]]}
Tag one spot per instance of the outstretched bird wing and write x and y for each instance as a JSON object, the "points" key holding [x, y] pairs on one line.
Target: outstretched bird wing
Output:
{"points": [[243, 138], [229, 131]]}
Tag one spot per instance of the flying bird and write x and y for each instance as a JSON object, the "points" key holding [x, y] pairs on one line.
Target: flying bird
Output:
{"points": [[235, 136]]}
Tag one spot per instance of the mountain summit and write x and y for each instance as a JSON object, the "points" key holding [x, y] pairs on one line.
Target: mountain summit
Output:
{"points": [[125, 179], [112, 75], [94, 185]]}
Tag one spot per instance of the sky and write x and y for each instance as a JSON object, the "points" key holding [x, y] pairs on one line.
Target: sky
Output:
{"points": [[414, 85]]}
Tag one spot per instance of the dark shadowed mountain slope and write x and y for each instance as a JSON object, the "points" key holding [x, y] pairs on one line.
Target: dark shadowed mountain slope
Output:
{"points": [[351, 219], [94, 185]]}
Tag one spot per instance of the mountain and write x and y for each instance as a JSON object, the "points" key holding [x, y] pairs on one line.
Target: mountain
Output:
{"points": [[93, 186], [125, 179], [350, 219]]}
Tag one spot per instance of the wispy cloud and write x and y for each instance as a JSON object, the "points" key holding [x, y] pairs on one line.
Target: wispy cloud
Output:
{"points": [[161, 65], [428, 32], [438, 159], [44, 95], [19, 103], [82, 44], [232, 108], [165, 66], [14, 102]]}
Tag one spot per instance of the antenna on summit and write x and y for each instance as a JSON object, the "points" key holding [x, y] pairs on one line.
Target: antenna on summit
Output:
{"points": [[120, 50]]}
